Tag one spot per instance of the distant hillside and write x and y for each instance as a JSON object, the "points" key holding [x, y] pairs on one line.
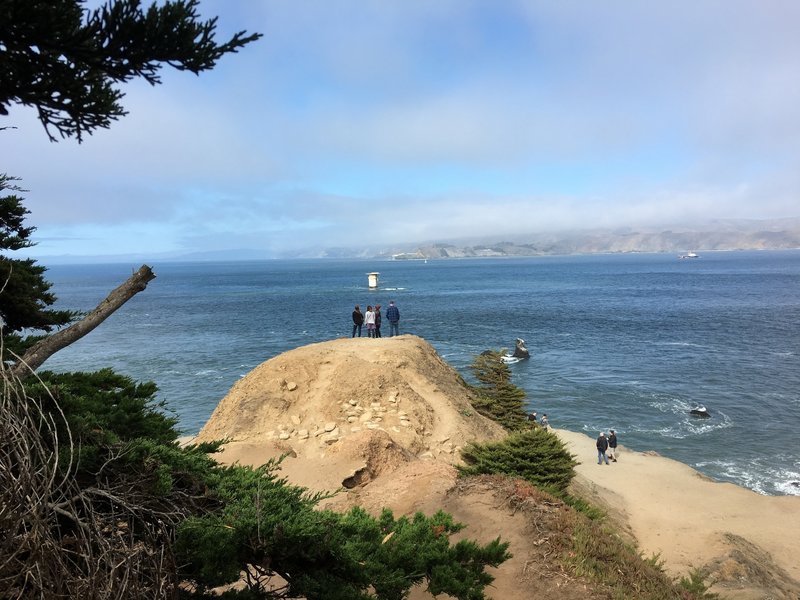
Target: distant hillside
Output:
{"points": [[779, 234]]}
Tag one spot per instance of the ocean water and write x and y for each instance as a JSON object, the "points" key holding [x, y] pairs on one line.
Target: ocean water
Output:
{"points": [[629, 342]]}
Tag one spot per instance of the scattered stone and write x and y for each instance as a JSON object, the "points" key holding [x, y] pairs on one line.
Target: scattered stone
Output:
{"points": [[330, 426], [371, 425], [426, 456], [367, 416], [353, 402], [303, 434], [284, 435], [355, 429], [291, 386], [352, 419], [296, 419], [405, 423], [330, 439]]}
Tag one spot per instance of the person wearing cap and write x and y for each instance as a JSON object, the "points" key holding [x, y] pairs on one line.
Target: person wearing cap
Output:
{"points": [[612, 445], [602, 446]]}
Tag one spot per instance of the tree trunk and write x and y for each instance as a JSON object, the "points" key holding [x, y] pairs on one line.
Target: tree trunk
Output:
{"points": [[41, 351]]}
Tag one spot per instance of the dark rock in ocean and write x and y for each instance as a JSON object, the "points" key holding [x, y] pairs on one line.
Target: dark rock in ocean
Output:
{"points": [[700, 411], [520, 351]]}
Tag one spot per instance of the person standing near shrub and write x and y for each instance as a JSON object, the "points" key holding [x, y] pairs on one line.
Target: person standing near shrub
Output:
{"points": [[393, 314], [358, 320], [602, 446]]}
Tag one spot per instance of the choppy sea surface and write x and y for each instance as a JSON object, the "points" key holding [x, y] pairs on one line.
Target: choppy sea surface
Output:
{"points": [[629, 342]]}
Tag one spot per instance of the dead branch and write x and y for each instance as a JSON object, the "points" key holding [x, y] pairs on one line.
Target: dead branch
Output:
{"points": [[61, 539], [41, 351]]}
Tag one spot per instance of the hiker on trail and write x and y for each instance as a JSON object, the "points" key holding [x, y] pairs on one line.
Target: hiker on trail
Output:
{"points": [[532, 418], [612, 445], [602, 446], [545, 422]]}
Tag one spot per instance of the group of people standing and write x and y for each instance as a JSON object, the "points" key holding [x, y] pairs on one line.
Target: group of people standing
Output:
{"points": [[545, 423], [607, 447], [372, 318]]}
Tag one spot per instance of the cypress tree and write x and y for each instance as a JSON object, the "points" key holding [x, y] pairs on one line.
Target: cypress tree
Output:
{"points": [[498, 398]]}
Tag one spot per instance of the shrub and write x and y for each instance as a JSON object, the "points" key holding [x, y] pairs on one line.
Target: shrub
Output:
{"points": [[267, 528], [535, 455], [498, 398]]}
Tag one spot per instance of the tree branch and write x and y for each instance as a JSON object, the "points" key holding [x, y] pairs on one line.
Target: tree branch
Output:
{"points": [[41, 351]]}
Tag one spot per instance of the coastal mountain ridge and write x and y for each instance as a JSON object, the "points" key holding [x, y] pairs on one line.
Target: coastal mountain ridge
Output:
{"points": [[717, 235]]}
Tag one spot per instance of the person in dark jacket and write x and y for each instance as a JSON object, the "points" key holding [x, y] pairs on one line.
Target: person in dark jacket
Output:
{"points": [[393, 315], [602, 446], [612, 445], [377, 320], [358, 321]]}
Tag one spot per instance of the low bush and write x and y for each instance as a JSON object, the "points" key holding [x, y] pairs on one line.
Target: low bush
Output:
{"points": [[535, 455]]}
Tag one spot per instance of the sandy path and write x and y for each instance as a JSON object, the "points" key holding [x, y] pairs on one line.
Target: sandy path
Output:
{"points": [[677, 512]]}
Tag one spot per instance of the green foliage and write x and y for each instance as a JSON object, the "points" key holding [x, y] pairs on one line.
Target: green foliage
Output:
{"points": [[25, 295], [13, 236], [65, 60], [103, 411], [230, 519], [599, 554], [498, 398], [536, 455], [276, 529], [695, 584]]}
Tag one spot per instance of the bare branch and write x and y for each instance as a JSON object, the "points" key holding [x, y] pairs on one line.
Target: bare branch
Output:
{"points": [[40, 352]]}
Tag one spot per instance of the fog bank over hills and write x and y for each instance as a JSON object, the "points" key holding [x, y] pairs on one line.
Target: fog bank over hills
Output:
{"points": [[721, 234]]}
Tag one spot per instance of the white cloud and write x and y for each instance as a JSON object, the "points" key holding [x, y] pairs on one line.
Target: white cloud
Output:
{"points": [[458, 114]]}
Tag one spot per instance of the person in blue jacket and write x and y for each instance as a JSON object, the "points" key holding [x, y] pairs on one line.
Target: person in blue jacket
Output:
{"points": [[393, 316]]}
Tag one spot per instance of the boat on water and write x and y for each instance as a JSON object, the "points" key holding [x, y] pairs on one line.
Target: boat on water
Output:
{"points": [[689, 255]]}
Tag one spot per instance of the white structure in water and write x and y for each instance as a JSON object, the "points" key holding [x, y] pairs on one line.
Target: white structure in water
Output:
{"points": [[372, 279]]}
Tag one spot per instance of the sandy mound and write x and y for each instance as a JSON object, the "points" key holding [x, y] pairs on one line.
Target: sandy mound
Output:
{"points": [[358, 407]]}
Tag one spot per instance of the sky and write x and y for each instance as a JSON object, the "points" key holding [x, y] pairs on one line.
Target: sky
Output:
{"points": [[354, 124]]}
